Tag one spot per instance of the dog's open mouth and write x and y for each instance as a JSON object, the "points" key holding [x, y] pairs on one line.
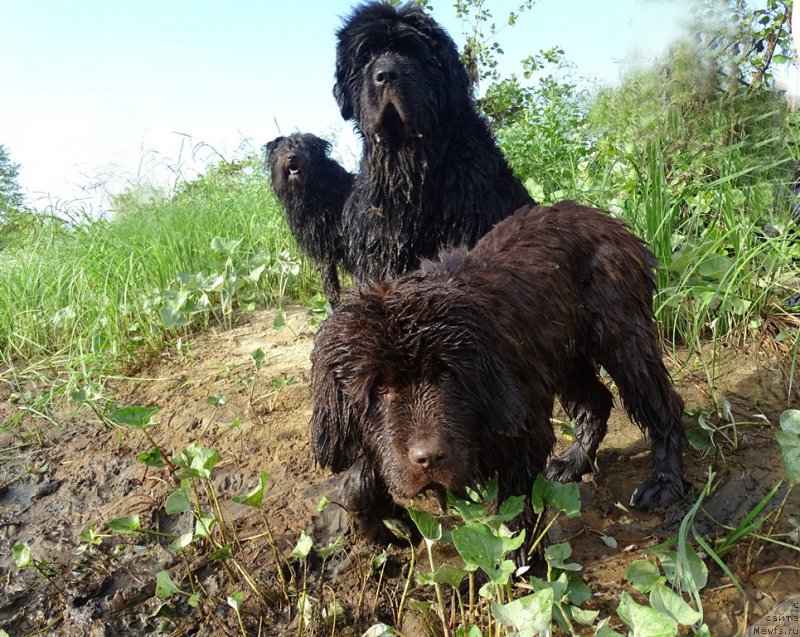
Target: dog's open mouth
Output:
{"points": [[391, 129]]}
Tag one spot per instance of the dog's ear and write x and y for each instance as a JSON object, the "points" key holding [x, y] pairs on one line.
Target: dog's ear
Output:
{"points": [[341, 90], [269, 147], [322, 146], [497, 391], [335, 438]]}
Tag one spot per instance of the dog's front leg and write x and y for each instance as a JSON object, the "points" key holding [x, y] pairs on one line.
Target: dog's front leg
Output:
{"points": [[366, 498]]}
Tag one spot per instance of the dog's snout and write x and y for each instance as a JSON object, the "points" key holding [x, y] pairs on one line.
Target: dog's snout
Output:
{"points": [[428, 454], [385, 72]]}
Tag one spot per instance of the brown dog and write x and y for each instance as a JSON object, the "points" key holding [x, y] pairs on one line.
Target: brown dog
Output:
{"points": [[443, 377]]}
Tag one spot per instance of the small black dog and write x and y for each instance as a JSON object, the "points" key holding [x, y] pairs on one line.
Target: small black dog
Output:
{"points": [[441, 378], [312, 188], [431, 174]]}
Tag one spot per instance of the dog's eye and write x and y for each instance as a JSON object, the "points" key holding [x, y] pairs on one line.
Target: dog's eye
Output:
{"points": [[446, 373], [381, 388]]}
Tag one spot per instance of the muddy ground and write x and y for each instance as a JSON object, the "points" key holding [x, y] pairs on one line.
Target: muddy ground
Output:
{"points": [[58, 475]]}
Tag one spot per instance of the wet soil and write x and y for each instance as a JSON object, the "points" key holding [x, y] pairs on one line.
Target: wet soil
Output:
{"points": [[61, 473]]}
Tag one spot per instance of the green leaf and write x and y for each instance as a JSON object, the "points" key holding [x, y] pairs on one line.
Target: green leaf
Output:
{"points": [[196, 461], [255, 497], [530, 615], [181, 542], [645, 621], [203, 526], [398, 528], [165, 586], [235, 600], [643, 575], [480, 546], [178, 501], [303, 546], [22, 555], [445, 574], [89, 535], [556, 554], [137, 417], [152, 458], [326, 551], [379, 630], [714, 267], [223, 553], [279, 322], [217, 400], [560, 497], [789, 441], [125, 525], [194, 600], [667, 601], [468, 630], [259, 358], [689, 574], [428, 525], [323, 502], [602, 630]]}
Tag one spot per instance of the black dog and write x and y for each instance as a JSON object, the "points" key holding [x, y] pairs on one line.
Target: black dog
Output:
{"points": [[441, 378], [431, 174], [312, 188]]}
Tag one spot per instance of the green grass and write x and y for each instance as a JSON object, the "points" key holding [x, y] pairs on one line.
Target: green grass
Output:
{"points": [[88, 295]]}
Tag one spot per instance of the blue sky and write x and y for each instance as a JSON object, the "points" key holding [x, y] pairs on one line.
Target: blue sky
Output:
{"points": [[99, 94]]}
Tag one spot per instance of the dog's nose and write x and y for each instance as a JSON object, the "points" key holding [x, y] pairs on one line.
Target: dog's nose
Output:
{"points": [[385, 72], [428, 454]]}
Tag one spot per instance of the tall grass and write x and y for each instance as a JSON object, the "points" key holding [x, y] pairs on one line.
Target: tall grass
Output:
{"points": [[91, 293]]}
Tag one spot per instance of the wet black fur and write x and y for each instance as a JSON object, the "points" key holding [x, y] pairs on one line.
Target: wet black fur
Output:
{"points": [[431, 175], [442, 377], [312, 188]]}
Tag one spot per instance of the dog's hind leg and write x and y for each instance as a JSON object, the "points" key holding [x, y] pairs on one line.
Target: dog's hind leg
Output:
{"points": [[634, 362], [587, 401]]}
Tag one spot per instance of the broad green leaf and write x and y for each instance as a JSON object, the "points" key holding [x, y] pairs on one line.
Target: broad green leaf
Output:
{"points": [[22, 555], [645, 621], [138, 417], [255, 497], [585, 617], [556, 556], [480, 546], [181, 542], [326, 551], [445, 574], [379, 630], [223, 553], [428, 525], [667, 601], [790, 421], [194, 600], [178, 501], [398, 528], [687, 575], [203, 526], [152, 458], [217, 400], [560, 497], [530, 615], [165, 586], [303, 546], [89, 535], [558, 586], [235, 600], [279, 322], [125, 525], [643, 575], [468, 630], [196, 461], [259, 358], [602, 630]]}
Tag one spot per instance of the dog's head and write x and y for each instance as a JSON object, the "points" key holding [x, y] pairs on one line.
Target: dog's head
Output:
{"points": [[293, 160], [407, 375], [398, 73]]}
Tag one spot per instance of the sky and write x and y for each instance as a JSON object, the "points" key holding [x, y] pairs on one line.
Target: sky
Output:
{"points": [[99, 95]]}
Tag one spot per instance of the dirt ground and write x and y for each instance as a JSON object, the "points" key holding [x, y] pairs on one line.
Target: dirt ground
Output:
{"points": [[59, 475]]}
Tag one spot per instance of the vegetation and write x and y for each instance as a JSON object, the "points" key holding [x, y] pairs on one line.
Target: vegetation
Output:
{"points": [[699, 154]]}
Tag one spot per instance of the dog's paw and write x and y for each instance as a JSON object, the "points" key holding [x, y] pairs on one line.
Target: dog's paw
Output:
{"points": [[659, 492], [569, 466]]}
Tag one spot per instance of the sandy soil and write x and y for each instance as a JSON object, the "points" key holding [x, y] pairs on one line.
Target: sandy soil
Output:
{"points": [[59, 475]]}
